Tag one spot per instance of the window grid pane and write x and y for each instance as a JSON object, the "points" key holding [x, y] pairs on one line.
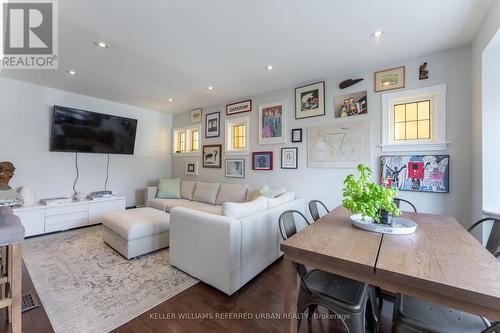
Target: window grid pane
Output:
{"points": [[412, 121], [181, 142], [239, 136], [194, 140]]}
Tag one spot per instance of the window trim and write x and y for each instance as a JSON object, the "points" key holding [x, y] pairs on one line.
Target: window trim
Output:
{"points": [[437, 142], [188, 136], [229, 150]]}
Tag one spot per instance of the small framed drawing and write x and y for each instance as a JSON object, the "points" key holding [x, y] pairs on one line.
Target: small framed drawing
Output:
{"points": [[310, 100], [272, 123], [239, 107], [235, 168], [191, 168], [388, 79], [297, 135], [196, 115], [212, 156], [212, 125], [289, 158], [262, 160]]}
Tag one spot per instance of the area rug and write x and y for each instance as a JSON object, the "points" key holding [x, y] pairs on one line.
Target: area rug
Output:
{"points": [[85, 286]]}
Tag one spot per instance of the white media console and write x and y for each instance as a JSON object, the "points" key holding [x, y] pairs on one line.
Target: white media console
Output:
{"points": [[40, 219]]}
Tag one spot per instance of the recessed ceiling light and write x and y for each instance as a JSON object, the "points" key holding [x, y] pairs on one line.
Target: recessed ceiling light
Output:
{"points": [[170, 100], [101, 44], [210, 88], [377, 34], [71, 72], [269, 67]]}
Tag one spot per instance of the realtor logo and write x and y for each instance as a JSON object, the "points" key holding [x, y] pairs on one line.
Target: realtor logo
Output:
{"points": [[29, 35]]}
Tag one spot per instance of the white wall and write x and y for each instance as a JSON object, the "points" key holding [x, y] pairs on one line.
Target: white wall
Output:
{"points": [[487, 31], [25, 125], [451, 67]]}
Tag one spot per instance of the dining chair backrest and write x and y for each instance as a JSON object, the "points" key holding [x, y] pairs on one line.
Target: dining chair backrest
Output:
{"points": [[314, 208], [493, 244], [289, 225], [398, 202]]}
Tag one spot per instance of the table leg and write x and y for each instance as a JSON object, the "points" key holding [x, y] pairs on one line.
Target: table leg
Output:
{"points": [[291, 293], [16, 284]]}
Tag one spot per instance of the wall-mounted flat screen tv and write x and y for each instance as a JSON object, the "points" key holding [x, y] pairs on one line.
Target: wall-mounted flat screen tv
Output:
{"points": [[82, 131]]}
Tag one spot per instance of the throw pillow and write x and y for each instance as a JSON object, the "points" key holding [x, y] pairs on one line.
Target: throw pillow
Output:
{"points": [[169, 189], [265, 191]]}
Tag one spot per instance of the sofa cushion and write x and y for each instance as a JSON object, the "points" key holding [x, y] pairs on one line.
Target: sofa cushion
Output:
{"points": [[250, 194], [267, 192], [137, 223], [169, 204], [206, 192], [169, 189], [281, 199], [157, 203], [231, 193], [187, 189], [237, 210]]}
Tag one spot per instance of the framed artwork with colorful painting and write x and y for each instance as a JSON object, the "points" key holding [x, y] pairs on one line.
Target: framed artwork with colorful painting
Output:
{"points": [[262, 160], [351, 105], [212, 125], [212, 156], [420, 173], [235, 168], [310, 100], [389, 79], [272, 123]]}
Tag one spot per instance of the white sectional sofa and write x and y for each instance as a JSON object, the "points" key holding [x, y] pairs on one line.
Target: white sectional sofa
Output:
{"points": [[219, 235]]}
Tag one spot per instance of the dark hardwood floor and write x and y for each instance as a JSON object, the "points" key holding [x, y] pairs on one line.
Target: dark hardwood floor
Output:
{"points": [[263, 296]]}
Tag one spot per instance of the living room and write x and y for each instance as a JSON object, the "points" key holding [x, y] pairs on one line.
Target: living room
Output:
{"points": [[187, 166]]}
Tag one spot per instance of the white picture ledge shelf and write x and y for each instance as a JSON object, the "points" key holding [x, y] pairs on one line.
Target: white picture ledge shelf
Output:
{"points": [[412, 147]]}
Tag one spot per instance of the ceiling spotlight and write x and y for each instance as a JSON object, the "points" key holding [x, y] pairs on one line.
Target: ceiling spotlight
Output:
{"points": [[377, 34], [210, 88], [170, 100], [269, 67], [101, 44], [71, 72]]}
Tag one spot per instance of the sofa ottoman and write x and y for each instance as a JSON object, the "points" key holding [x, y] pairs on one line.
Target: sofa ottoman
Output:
{"points": [[135, 232]]}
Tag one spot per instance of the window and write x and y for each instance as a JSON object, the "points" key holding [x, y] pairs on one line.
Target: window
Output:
{"points": [[236, 136], [186, 141], [414, 120]]}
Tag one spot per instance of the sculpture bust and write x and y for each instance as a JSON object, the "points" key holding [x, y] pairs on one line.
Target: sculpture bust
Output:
{"points": [[6, 172]]}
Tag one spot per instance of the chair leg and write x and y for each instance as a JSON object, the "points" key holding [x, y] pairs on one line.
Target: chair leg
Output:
{"points": [[14, 268], [312, 308], [378, 290]]}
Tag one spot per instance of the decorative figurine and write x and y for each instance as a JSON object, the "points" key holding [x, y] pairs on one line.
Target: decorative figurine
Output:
{"points": [[6, 172], [424, 73], [347, 83]]}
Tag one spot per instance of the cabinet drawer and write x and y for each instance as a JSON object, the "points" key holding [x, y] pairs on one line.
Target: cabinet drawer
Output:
{"points": [[98, 209], [33, 221], [73, 208], [66, 221]]}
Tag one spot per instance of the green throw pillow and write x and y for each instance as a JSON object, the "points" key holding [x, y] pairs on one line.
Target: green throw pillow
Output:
{"points": [[169, 189]]}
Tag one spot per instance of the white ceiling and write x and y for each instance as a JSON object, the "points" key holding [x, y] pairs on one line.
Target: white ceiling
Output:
{"points": [[162, 49]]}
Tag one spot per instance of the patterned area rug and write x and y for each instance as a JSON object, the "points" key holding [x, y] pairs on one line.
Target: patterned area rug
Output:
{"points": [[85, 286]]}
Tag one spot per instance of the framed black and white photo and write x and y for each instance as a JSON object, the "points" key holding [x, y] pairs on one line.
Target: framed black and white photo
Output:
{"points": [[289, 158], [196, 115], [297, 135], [310, 100], [212, 156], [235, 168], [191, 168], [212, 125]]}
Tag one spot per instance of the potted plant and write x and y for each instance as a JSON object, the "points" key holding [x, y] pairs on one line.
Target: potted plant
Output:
{"points": [[361, 196]]}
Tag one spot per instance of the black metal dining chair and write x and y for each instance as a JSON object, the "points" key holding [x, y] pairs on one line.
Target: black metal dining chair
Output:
{"points": [[398, 202], [314, 208], [351, 301], [416, 315]]}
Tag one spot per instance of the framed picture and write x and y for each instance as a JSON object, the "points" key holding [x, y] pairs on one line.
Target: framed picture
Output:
{"points": [[235, 168], [310, 100], [196, 115], [262, 160], [191, 168], [212, 156], [421, 173], [388, 79], [289, 158], [351, 104], [272, 123], [297, 135], [239, 107], [212, 125]]}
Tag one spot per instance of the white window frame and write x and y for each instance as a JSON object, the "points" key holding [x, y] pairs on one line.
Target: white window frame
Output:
{"points": [[229, 136], [188, 130], [437, 142]]}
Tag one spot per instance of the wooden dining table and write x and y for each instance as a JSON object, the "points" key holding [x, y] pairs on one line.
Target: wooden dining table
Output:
{"points": [[441, 262]]}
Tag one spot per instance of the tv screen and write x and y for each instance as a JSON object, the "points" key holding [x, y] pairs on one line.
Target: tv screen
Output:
{"points": [[82, 131]]}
